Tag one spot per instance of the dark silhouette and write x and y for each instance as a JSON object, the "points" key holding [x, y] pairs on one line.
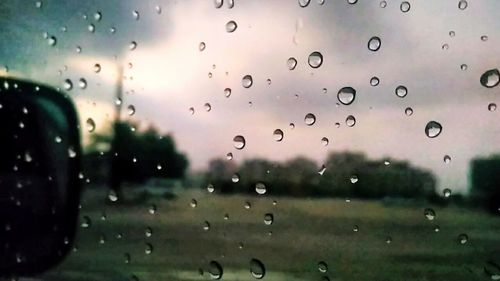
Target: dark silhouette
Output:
{"points": [[345, 174], [485, 183]]}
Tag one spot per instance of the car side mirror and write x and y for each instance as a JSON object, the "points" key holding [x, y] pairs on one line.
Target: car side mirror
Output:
{"points": [[39, 185]]}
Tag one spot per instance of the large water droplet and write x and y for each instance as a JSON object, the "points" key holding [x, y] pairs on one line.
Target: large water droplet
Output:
{"points": [[405, 6], [315, 59], [231, 26], [374, 81], [235, 178], [310, 119], [247, 81], [218, 3], [433, 129], [401, 91], [322, 267], [257, 269], [490, 78], [304, 3], [215, 270], [492, 107], [346, 95], [260, 188], [462, 4], [278, 135], [239, 142], [374, 44], [291, 63]]}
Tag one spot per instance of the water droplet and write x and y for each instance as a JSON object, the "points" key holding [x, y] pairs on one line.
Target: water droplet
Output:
{"points": [[447, 159], [202, 46], [132, 46], [446, 192], [463, 67], [229, 156], [91, 28], [310, 119], [158, 9], [463, 238], [354, 179], [215, 270], [322, 170], [227, 92], [492, 270], [131, 110], [152, 209], [388, 240], [383, 4], [257, 269], [325, 141], [193, 203], [136, 15], [304, 3], [191, 110], [462, 4], [207, 107], [315, 59], [355, 228], [112, 196], [429, 214], [374, 81], [206, 226], [408, 111], [82, 83], [112, 30], [401, 91], [350, 121], [247, 81], [230, 4], [405, 6], [58, 139], [148, 232], [291, 63], [292, 126], [127, 258], [97, 68], [268, 219], [38, 4], [210, 75], [490, 78], [445, 46], [149, 249], [278, 135], [374, 44], [239, 142], [433, 129], [346, 95], [247, 205], [98, 16], [352, 1], [68, 85], [235, 178], [90, 125], [210, 188], [492, 107], [52, 41], [322, 267], [231, 26], [260, 188], [218, 3]]}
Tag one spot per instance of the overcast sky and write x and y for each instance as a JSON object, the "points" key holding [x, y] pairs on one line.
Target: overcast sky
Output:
{"points": [[169, 74]]}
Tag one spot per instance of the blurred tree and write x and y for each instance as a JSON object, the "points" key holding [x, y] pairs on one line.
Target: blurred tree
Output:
{"points": [[485, 182]]}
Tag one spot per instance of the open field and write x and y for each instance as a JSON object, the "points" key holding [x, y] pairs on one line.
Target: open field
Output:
{"points": [[391, 242]]}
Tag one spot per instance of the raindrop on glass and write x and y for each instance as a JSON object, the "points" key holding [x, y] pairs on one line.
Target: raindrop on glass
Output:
{"points": [[462, 4], [325, 141], [131, 110], [132, 46], [374, 81], [278, 135], [310, 119], [247, 81], [257, 269], [215, 270], [90, 124], [291, 63], [239, 142], [490, 78], [67, 85], [322, 267], [218, 3], [202, 46], [350, 121], [446, 192], [260, 188], [304, 3], [235, 178], [374, 44], [405, 6], [82, 83], [231, 26], [492, 107], [346, 95], [315, 59], [429, 214], [463, 238], [401, 91], [433, 129], [447, 159]]}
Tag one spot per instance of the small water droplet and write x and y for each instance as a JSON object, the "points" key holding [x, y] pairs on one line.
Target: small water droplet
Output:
{"points": [[445, 46], [158, 10], [227, 92], [447, 159], [91, 28], [239, 142], [231, 26], [463, 67], [149, 249], [235, 178], [492, 270], [354, 179], [112, 196], [86, 222], [325, 141], [206, 226], [38, 4], [446, 192], [260, 188], [247, 81], [433, 129], [408, 111], [291, 63], [98, 16], [278, 135], [97, 68], [401, 91], [405, 6], [257, 269], [90, 125], [68, 85], [374, 81], [202, 46], [191, 110], [207, 107], [210, 188], [463, 238], [322, 267], [52, 41], [268, 219], [346, 95], [490, 78], [350, 121], [374, 44], [152, 209], [322, 170], [352, 2], [492, 107], [229, 156], [429, 214], [82, 83], [136, 15], [218, 3], [383, 4], [310, 119], [193, 203], [462, 4], [132, 46], [131, 110]]}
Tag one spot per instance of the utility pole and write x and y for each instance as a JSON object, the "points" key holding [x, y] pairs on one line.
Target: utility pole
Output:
{"points": [[115, 178]]}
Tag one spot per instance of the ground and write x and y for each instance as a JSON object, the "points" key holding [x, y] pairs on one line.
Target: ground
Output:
{"points": [[358, 240]]}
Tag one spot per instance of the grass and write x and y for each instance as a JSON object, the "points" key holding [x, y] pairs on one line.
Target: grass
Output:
{"points": [[304, 232]]}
